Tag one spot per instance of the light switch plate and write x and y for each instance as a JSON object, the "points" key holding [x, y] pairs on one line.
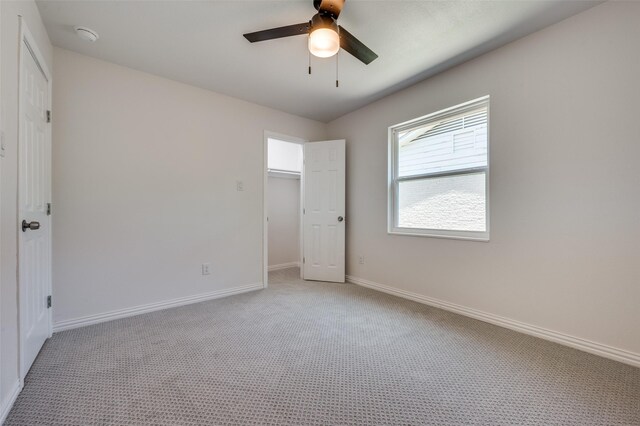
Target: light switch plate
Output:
{"points": [[206, 269], [2, 146]]}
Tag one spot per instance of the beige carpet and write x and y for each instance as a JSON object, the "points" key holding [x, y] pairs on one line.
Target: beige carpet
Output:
{"points": [[308, 353]]}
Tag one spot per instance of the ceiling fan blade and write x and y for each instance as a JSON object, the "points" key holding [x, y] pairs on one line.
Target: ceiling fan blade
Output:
{"points": [[288, 31], [329, 7], [354, 46]]}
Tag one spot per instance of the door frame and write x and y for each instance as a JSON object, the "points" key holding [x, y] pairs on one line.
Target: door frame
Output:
{"points": [[34, 50], [265, 192]]}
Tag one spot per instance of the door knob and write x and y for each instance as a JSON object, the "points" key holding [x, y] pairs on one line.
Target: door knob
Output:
{"points": [[30, 225], [340, 218]]}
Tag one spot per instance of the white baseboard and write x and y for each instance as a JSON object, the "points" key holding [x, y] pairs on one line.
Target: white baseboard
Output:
{"points": [[150, 307], [283, 266], [7, 403], [606, 351]]}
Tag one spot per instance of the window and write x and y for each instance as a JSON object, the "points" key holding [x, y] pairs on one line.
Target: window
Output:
{"points": [[439, 173]]}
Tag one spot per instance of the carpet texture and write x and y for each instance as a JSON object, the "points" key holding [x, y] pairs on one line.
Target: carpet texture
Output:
{"points": [[309, 353]]}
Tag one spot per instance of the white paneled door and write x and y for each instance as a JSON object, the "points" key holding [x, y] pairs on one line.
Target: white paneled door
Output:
{"points": [[34, 164], [324, 211]]}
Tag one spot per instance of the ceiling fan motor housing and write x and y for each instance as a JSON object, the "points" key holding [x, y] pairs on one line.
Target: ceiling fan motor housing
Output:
{"points": [[323, 21], [329, 7]]}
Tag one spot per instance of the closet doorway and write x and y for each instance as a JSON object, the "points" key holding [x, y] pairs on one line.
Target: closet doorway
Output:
{"points": [[304, 207], [283, 202]]}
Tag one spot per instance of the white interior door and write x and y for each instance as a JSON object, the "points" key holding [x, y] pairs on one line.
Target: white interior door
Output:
{"points": [[324, 211], [34, 160]]}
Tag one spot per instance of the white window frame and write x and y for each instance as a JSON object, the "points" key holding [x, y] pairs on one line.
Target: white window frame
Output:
{"points": [[394, 180]]}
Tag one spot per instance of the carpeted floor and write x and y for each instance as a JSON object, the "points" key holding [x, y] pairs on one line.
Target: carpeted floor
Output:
{"points": [[316, 353]]}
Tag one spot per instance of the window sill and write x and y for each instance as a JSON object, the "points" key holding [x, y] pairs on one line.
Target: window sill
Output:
{"points": [[450, 235]]}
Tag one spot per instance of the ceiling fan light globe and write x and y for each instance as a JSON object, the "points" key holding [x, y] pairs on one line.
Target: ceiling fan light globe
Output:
{"points": [[324, 42]]}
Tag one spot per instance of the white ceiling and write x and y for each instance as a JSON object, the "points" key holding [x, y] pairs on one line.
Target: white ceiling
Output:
{"points": [[201, 43]]}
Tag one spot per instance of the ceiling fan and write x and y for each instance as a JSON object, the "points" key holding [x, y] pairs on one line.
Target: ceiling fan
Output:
{"points": [[326, 37]]}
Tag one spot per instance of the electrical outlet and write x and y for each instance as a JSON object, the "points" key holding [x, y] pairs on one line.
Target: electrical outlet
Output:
{"points": [[361, 260], [239, 185], [206, 269]]}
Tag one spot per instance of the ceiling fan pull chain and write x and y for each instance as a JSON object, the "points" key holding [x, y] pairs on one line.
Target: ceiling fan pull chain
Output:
{"points": [[309, 52], [337, 62]]}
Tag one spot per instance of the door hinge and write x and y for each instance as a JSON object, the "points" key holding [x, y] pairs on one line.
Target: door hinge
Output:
{"points": [[48, 116], [48, 301], [48, 209]]}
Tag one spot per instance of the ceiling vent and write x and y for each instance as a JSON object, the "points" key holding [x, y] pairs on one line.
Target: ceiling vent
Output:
{"points": [[86, 34]]}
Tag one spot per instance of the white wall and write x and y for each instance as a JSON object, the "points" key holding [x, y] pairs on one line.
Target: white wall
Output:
{"points": [[565, 183], [284, 155], [284, 220], [10, 41], [144, 187]]}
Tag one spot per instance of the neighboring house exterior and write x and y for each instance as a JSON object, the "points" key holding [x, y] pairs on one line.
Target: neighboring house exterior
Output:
{"points": [[458, 143]]}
